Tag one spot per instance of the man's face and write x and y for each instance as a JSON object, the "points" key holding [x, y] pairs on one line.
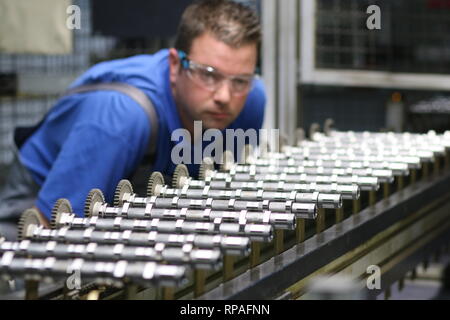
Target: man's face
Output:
{"points": [[215, 108]]}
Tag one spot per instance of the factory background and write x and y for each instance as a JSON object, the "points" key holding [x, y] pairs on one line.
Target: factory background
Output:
{"points": [[319, 60], [360, 64]]}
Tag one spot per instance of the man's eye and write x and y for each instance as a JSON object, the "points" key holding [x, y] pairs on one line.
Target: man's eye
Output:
{"points": [[208, 76], [241, 83]]}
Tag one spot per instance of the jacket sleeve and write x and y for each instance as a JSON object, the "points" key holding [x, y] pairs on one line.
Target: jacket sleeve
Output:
{"points": [[97, 154]]}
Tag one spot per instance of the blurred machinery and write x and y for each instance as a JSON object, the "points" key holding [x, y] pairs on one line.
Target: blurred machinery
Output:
{"points": [[430, 113], [361, 206]]}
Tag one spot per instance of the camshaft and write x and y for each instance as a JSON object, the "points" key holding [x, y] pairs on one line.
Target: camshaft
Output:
{"points": [[187, 254], [348, 191], [365, 183], [323, 200], [383, 175], [395, 154], [300, 209], [102, 272], [278, 220], [283, 161], [227, 244], [256, 232]]}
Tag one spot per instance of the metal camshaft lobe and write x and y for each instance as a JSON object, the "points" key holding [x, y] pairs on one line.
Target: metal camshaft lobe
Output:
{"points": [[102, 272], [256, 232], [198, 258], [229, 245]]}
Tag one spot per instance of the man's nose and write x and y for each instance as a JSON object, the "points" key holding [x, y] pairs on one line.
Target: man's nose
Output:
{"points": [[223, 93]]}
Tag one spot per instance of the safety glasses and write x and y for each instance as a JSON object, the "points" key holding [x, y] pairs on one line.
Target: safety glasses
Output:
{"points": [[211, 79]]}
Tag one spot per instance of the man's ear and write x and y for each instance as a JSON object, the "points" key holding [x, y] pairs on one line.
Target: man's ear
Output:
{"points": [[174, 65]]}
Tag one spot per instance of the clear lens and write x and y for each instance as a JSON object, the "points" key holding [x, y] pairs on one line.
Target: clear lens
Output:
{"points": [[211, 79], [241, 84]]}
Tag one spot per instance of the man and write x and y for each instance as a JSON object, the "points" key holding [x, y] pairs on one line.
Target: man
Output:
{"points": [[93, 139]]}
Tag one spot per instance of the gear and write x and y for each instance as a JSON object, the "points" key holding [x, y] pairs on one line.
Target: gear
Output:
{"points": [[228, 161], [299, 136], [29, 220], [264, 148], [155, 182], [61, 206], [93, 200], [315, 127], [205, 168], [328, 126], [123, 190], [248, 154], [282, 142], [180, 175]]}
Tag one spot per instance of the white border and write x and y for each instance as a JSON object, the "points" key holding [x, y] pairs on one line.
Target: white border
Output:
{"points": [[309, 74]]}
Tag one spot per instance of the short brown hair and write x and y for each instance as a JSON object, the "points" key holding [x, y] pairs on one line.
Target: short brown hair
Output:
{"points": [[228, 21]]}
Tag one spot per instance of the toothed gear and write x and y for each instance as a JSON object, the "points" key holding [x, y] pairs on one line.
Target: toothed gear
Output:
{"points": [[155, 181], [283, 142], [205, 168], [264, 148], [315, 127], [180, 175], [28, 219], [123, 187], [299, 136], [94, 198], [228, 161], [248, 154], [61, 206], [328, 126]]}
